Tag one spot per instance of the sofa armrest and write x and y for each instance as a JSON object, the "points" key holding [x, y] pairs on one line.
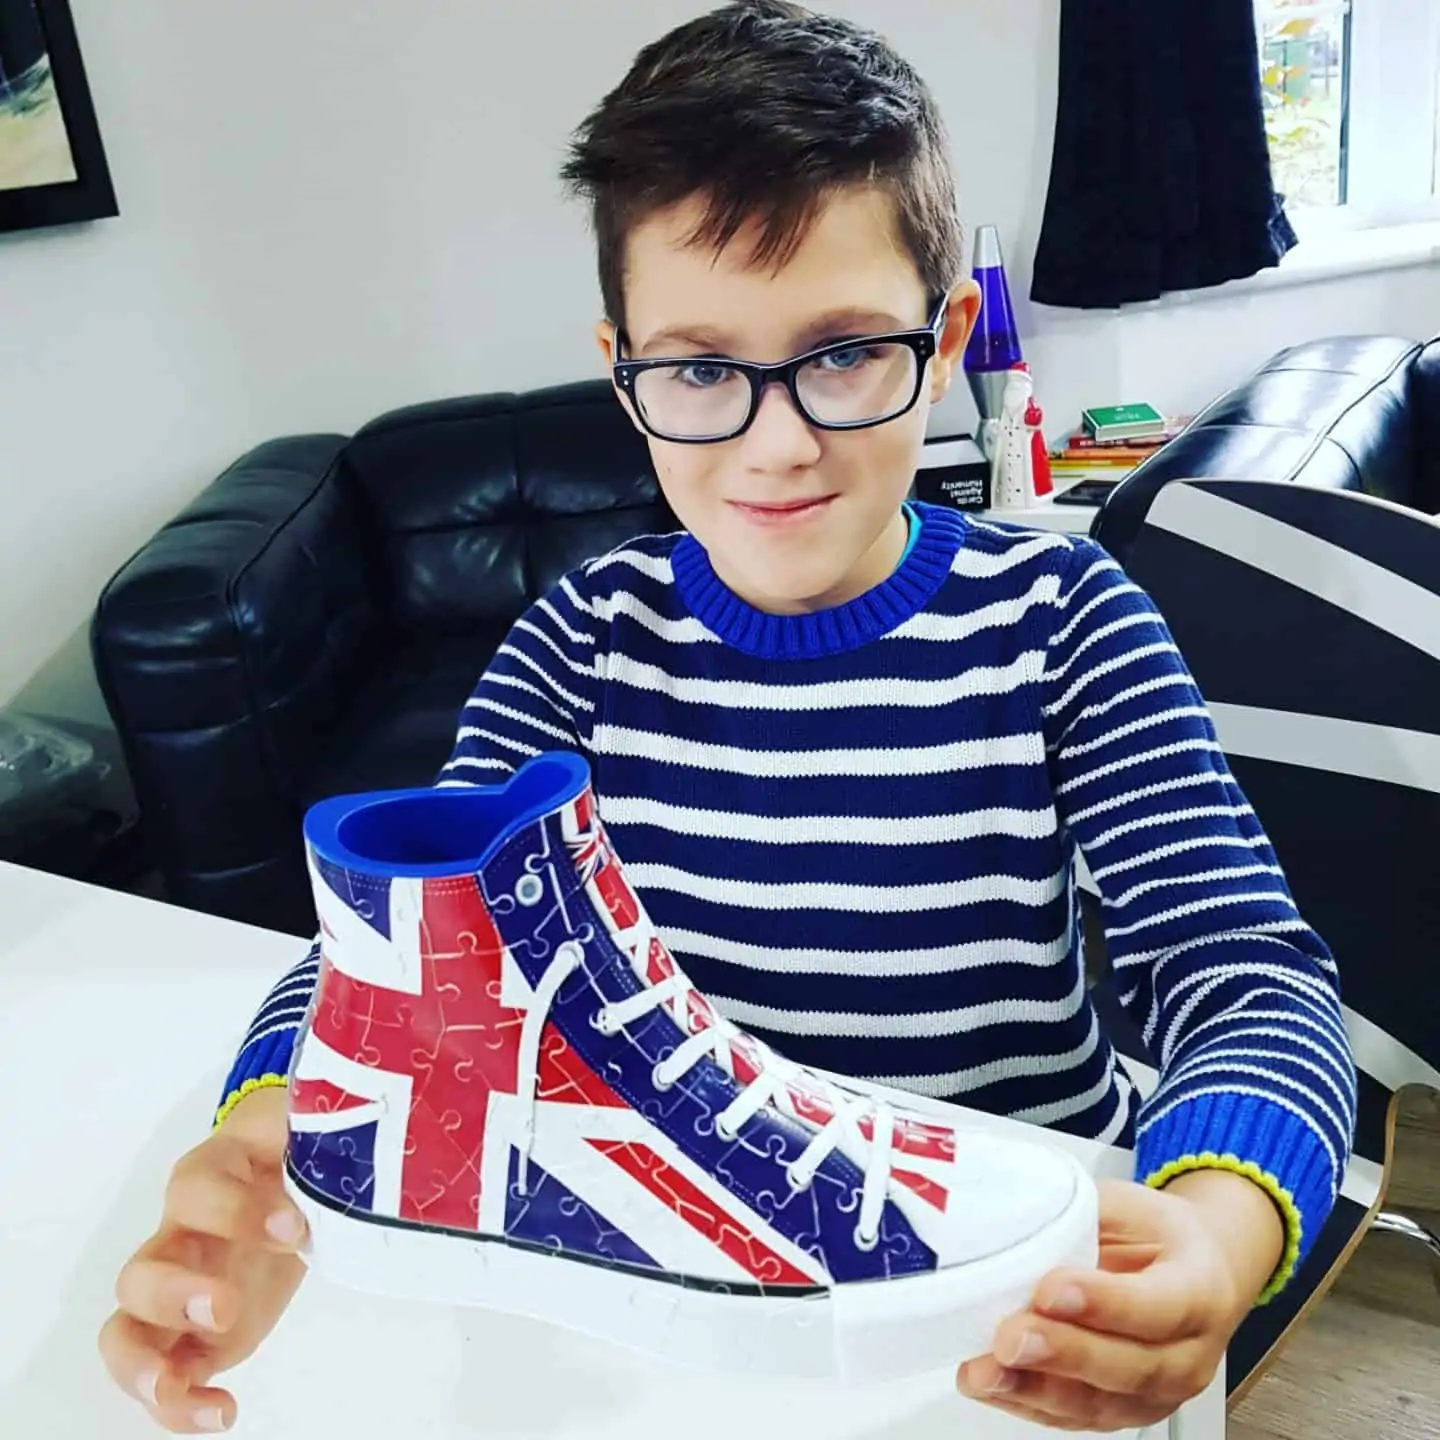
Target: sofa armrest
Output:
{"points": [[224, 648], [1425, 402], [1331, 414]]}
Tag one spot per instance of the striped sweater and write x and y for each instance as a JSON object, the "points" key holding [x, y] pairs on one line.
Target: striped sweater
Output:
{"points": [[857, 831]]}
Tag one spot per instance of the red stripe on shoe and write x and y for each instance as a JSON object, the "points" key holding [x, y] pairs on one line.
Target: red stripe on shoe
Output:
{"points": [[701, 1213], [924, 1187], [320, 1097], [563, 1078], [913, 1137]]}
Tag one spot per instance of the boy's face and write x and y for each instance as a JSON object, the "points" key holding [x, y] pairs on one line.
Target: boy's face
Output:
{"points": [[793, 518]]}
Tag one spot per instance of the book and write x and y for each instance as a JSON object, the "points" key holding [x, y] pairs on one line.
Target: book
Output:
{"points": [[953, 471], [1106, 474], [1139, 445], [1122, 422], [1106, 455], [1087, 458]]}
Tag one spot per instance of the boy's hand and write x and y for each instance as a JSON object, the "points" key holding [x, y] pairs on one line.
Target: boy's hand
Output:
{"points": [[1126, 1345], [206, 1289]]}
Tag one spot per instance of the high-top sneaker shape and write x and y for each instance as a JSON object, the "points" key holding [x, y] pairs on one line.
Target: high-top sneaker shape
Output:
{"points": [[507, 1094]]}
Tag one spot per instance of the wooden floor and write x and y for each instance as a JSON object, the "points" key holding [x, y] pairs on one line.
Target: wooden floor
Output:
{"points": [[1365, 1365]]}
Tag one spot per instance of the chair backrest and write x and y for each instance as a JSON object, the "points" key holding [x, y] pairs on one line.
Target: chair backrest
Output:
{"points": [[1311, 620], [476, 506]]}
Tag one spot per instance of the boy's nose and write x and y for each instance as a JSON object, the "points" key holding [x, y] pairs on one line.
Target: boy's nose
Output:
{"points": [[780, 437]]}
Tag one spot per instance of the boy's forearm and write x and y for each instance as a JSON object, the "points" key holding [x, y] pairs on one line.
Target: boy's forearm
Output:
{"points": [[1244, 1219]]}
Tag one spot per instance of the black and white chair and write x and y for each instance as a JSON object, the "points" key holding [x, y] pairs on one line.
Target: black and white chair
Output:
{"points": [[1311, 620]]}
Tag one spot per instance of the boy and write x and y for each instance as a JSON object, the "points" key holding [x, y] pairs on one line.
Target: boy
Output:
{"points": [[846, 747]]}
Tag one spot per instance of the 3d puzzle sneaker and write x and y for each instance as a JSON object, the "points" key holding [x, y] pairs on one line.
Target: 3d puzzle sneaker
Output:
{"points": [[507, 1094]]}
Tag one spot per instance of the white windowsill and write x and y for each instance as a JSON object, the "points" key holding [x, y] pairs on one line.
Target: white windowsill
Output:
{"points": [[1326, 257]]}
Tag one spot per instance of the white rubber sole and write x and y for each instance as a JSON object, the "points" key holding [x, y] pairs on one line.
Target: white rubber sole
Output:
{"points": [[857, 1333]]}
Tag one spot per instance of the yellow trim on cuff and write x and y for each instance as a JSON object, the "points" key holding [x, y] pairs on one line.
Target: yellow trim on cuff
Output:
{"points": [[1284, 1201], [257, 1082]]}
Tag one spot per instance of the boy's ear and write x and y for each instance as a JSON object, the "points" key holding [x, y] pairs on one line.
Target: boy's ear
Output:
{"points": [[963, 311], [605, 339]]}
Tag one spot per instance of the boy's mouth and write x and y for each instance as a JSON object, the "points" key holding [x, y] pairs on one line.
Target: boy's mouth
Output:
{"points": [[788, 512]]}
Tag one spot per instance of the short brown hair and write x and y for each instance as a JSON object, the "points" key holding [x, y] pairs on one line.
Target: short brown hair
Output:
{"points": [[765, 108]]}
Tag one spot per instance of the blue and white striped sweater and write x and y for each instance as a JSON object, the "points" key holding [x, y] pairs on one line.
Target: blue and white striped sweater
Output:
{"points": [[857, 832]]}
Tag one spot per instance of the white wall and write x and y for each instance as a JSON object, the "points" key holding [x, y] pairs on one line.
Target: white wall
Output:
{"points": [[335, 207]]}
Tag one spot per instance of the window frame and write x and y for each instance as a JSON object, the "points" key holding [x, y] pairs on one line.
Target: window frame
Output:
{"points": [[1393, 118]]}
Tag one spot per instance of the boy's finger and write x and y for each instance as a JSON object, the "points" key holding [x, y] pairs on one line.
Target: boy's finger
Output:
{"points": [[1123, 1257], [1041, 1399], [1157, 1304], [201, 1412], [1032, 1416], [1057, 1403], [1119, 1366], [210, 1201], [162, 1293], [134, 1354]]}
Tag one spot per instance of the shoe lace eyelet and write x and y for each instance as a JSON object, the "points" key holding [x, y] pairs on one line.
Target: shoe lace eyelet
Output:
{"points": [[571, 953], [798, 1180], [602, 1022], [529, 889], [866, 1242], [725, 1130], [660, 1081]]}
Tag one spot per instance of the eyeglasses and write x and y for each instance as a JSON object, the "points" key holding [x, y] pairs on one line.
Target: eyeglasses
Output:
{"points": [[849, 385]]}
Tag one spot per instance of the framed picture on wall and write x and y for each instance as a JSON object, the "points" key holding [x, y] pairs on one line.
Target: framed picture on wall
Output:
{"points": [[52, 162]]}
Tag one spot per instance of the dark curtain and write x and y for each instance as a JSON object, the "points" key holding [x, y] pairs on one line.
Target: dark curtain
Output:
{"points": [[1161, 172]]}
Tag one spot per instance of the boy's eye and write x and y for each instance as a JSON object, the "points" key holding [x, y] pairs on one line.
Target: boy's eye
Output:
{"points": [[703, 374], [840, 361]]}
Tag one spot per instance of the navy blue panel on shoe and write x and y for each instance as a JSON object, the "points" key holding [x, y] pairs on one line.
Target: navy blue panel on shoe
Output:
{"points": [[547, 1213], [338, 1165]]}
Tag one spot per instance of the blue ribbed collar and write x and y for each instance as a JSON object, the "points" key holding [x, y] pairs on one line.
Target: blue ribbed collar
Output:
{"points": [[909, 589]]}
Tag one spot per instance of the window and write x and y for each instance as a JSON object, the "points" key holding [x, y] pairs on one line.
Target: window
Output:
{"points": [[1352, 109], [1305, 70]]}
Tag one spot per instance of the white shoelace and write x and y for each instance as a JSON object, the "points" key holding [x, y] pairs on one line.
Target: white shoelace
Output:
{"points": [[771, 1084]]}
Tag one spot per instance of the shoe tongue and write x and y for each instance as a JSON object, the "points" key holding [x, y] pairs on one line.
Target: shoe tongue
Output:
{"points": [[600, 870], [805, 1100], [653, 964]]}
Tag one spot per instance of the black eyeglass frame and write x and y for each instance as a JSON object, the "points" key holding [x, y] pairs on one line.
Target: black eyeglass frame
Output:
{"points": [[924, 341]]}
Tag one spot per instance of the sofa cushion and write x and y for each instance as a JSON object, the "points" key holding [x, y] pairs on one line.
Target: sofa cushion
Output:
{"points": [[478, 505], [399, 721]]}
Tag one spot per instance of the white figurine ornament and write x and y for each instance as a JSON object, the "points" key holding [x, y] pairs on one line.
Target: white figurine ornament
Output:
{"points": [[1012, 475]]}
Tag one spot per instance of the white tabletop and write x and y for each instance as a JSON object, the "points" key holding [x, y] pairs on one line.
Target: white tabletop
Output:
{"points": [[118, 1017], [1070, 519]]}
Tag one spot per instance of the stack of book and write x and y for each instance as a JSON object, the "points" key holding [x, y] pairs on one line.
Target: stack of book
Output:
{"points": [[1100, 454]]}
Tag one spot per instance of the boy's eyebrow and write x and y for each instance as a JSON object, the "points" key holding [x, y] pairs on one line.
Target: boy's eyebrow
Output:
{"points": [[847, 321]]}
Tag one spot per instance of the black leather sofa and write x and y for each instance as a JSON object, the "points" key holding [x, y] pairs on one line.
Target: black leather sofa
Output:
{"points": [[313, 621]]}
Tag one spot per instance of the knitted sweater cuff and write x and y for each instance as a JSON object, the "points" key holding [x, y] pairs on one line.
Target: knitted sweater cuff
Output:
{"points": [[1256, 1138], [263, 1063]]}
